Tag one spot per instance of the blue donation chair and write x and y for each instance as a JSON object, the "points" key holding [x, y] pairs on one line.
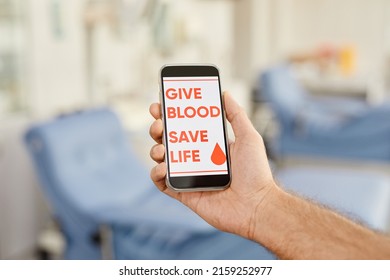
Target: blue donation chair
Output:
{"points": [[332, 127], [91, 177], [362, 196]]}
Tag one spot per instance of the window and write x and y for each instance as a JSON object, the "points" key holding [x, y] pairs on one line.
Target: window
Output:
{"points": [[12, 56]]}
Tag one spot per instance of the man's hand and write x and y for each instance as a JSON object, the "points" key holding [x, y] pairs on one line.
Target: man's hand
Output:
{"points": [[237, 208]]}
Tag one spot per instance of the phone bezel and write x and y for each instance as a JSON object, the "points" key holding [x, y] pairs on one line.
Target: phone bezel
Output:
{"points": [[194, 183]]}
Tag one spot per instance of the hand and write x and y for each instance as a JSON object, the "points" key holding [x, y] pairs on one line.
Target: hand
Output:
{"points": [[237, 208]]}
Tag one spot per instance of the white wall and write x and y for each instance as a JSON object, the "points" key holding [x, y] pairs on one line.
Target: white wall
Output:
{"points": [[57, 57], [302, 25], [23, 212], [277, 28], [358, 22]]}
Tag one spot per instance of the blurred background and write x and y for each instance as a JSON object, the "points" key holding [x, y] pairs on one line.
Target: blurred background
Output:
{"points": [[58, 57]]}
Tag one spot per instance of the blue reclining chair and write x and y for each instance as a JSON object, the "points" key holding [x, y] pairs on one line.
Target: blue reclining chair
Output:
{"points": [[331, 127], [92, 178], [362, 196]]}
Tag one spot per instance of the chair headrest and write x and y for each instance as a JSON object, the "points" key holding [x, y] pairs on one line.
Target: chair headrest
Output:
{"points": [[282, 90], [86, 158]]}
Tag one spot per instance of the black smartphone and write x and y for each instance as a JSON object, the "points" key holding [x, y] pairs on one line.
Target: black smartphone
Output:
{"points": [[195, 135]]}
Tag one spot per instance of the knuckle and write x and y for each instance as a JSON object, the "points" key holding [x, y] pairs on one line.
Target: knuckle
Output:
{"points": [[153, 152]]}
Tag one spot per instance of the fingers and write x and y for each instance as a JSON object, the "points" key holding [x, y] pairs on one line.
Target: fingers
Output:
{"points": [[158, 174], [157, 153], [155, 110], [237, 117], [156, 130]]}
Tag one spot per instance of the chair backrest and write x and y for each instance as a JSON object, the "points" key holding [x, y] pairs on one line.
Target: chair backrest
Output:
{"points": [[84, 164], [285, 94]]}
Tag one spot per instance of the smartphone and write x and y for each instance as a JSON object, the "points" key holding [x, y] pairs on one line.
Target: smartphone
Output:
{"points": [[196, 149]]}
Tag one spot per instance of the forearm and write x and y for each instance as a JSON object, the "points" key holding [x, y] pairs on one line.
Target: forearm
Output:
{"points": [[294, 228]]}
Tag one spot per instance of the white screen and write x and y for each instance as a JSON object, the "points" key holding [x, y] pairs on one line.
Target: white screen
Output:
{"points": [[194, 126]]}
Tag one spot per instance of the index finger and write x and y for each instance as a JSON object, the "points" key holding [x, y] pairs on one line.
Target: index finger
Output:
{"points": [[155, 110]]}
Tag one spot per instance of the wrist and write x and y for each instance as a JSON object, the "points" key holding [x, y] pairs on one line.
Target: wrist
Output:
{"points": [[262, 213]]}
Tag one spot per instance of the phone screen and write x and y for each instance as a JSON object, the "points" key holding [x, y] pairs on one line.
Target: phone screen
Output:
{"points": [[195, 136]]}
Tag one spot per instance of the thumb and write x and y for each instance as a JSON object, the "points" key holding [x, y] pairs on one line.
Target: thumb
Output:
{"points": [[237, 117]]}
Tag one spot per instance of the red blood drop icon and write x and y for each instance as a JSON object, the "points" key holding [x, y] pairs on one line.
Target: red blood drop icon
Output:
{"points": [[218, 157]]}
